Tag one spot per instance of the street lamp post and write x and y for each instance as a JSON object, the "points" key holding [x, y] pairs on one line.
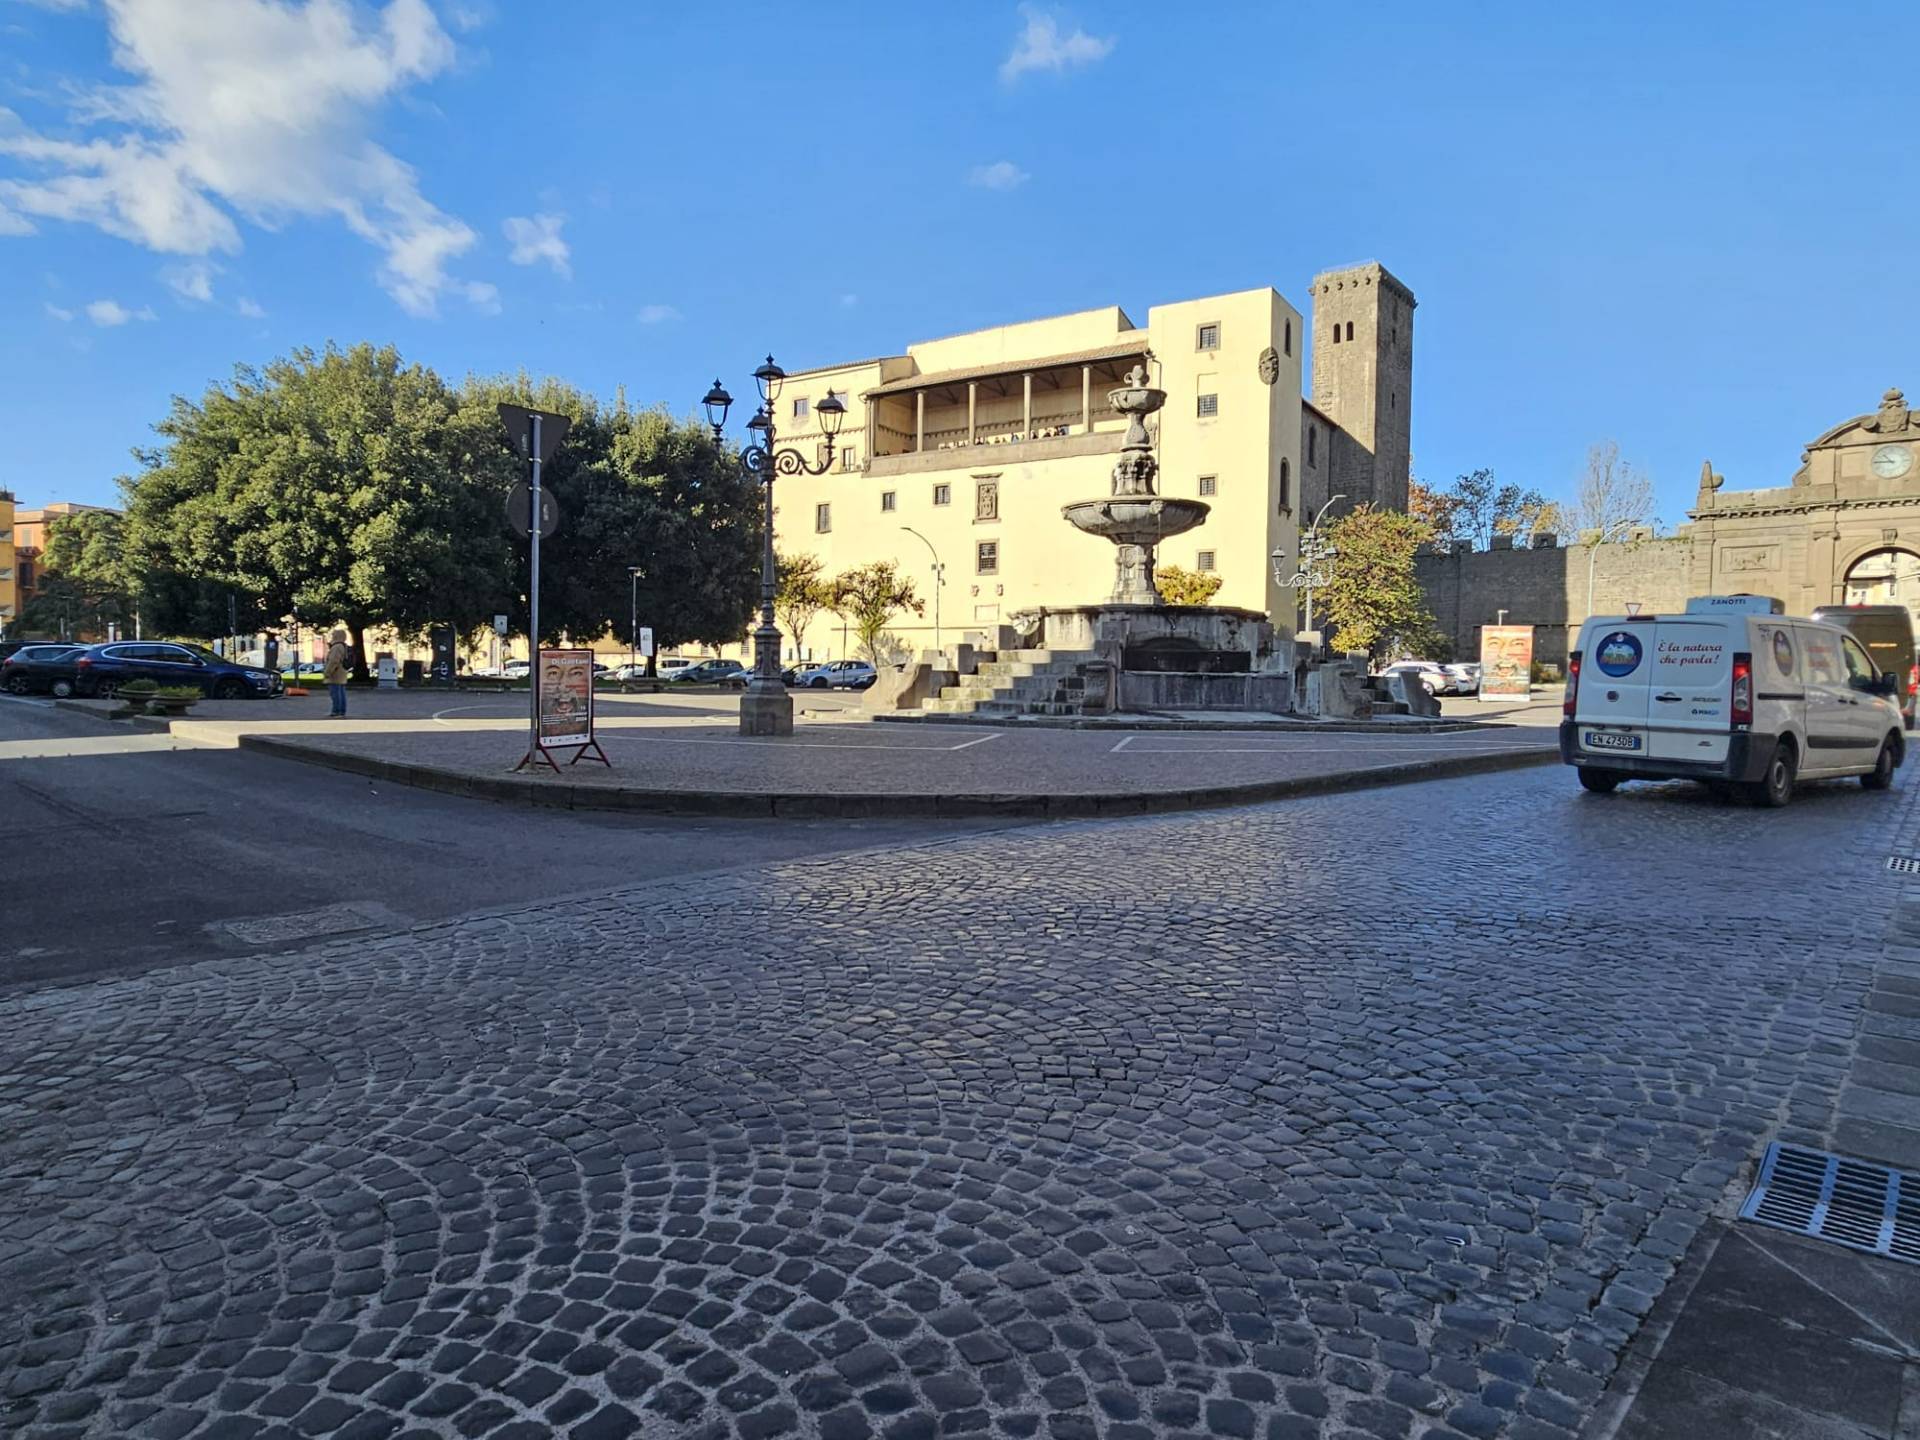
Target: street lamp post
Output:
{"points": [[939, 579], [633, 621], [766, 708], [1315, 560]]}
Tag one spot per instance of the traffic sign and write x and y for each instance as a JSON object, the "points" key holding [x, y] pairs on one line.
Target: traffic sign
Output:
{"points": [[499, 624], [519, 422], [520, 504], [646, 640]]}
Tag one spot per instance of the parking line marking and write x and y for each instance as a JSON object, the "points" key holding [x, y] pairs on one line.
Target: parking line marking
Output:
{"points": [[1125, 741], [969, 744]]}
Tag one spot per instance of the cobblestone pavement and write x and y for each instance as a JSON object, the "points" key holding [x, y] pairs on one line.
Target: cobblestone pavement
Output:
{"points": [[1386, 1114]]}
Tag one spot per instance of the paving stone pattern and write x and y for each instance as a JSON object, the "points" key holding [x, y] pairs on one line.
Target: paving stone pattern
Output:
{"points": [[1380, 1115]]}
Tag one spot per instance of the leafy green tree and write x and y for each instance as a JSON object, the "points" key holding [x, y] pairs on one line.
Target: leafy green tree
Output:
{"points": [[803, 593], [1186, 587], [1372, 601], [83, 586], [1476, 508], [868, 596]]}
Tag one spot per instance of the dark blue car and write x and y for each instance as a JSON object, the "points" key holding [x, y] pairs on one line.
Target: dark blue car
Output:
{"points": [[102, 669]]}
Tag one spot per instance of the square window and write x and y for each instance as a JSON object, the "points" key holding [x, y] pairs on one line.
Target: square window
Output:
{"points": [[986, 557], [849, 459], [822, 519], [1209, 336], [1204, 561], [943, 494], [886, 499], [800, 408], [1209, 406], [1209, 485]]}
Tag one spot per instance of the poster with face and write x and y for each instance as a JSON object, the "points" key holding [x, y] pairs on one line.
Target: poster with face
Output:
{"points": [[1506, 661], [566, 698]]}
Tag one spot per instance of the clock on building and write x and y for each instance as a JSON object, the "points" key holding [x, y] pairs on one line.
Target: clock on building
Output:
{"points": [[1890, 462]]}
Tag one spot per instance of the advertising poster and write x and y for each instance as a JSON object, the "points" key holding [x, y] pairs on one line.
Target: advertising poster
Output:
{"points": [[1506, 661], [566, 699]]}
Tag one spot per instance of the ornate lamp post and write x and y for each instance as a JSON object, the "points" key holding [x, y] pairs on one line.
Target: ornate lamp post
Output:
{"points": [[1316, 562], [766, 708]]}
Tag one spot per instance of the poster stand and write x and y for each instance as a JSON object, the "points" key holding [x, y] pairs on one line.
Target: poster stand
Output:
{"points": [[563, 710]]}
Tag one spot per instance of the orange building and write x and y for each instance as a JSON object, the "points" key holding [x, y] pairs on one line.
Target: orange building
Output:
{"points": [[30, 530]]}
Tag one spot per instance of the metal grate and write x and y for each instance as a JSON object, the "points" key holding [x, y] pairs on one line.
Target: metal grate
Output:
{"points": [[1849, 1202], [1903, 864]]}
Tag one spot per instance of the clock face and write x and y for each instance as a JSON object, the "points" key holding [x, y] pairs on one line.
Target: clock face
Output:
{"points": [[1890, 462]]}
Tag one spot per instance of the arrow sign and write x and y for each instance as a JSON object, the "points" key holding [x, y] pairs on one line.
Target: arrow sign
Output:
{"points": [[519, 422]]}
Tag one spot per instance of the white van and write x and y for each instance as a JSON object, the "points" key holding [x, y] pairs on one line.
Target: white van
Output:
{"points": [[1731, 693]]}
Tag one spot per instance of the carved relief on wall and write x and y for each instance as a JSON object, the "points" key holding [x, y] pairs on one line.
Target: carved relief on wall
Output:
{"points": [[986, 499], [1737, 558], [1269, 365]]}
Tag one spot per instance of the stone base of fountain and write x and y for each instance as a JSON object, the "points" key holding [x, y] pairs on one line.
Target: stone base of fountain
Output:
{"points": [[1170, 657]]}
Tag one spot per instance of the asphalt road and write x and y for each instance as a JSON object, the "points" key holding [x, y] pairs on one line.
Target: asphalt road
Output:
{"points": [[144, 856]]}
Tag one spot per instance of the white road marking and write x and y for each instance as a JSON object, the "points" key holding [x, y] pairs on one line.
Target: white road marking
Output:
{"points": [[969, 744], [51, 749], [1125, 741], [26, 700]]}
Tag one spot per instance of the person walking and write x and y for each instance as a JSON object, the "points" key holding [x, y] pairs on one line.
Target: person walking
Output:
{"points": [[335, 672]]}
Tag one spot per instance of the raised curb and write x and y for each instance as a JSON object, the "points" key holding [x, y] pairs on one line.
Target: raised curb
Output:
{"points": [[799, 805]]}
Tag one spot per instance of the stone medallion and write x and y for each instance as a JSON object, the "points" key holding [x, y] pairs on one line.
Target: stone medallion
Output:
{"points": [[1270, 365]]}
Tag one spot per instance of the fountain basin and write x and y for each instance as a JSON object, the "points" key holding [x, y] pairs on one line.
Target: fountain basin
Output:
{"points": [[1136, 520]]}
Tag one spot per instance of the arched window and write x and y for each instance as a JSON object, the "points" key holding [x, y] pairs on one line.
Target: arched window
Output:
{"points": [[1349, 329], [1286, 484], [1289, 337], [1336, 332]]}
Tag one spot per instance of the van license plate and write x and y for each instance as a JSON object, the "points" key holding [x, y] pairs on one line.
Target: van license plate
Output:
{"points": [[1607, 740]]}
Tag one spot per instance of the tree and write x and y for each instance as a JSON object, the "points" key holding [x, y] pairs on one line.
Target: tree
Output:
{"points": [[868, 596], [83, 586], [803, 593], [1612, 497], [1477, 508], [1372, 600], [1186, 587], [1434, 509]]}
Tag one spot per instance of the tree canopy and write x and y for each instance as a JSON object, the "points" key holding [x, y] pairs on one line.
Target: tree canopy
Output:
{"points": [[868, 596], [1186, 587], [1372, 600]]}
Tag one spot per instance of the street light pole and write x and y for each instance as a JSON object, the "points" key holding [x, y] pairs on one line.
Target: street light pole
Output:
{"points": [[939, 579], [1313, 557], [766, 708], [633, 621]]}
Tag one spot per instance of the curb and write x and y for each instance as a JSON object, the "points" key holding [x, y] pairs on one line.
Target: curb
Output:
{"points": [[1150, 724], [517, 790]]}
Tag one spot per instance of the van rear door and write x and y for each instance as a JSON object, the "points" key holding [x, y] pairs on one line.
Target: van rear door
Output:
{"points": [[1611, 711], [1690, 687]]}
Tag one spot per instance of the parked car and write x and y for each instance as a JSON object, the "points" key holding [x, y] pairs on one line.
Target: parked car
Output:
{"points": [[1466, 676], [1731, 693], [706, 672], [838, 675], [516, 670], [100, 670], [31, 668], [1887, 632], [1429, 674]]}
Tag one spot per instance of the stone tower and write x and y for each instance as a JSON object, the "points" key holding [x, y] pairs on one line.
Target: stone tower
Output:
{"points": [[1363, 381]]}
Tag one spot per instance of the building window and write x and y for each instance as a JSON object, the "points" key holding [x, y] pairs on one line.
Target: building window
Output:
{"points": [[1204, 562], [1209, 337], [822, 519], [986, 557], [1286, 484], [1289, 337], [1209, 406], [1393, 400], [849, 459], [800, 408], [1349, 329], [1209, 484], [943, 494], [886, 499], [1336, 332], [1313, 435], [986, 500]]}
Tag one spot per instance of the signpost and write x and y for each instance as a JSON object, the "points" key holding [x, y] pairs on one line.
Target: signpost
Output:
{"points": [[1506, 662]]}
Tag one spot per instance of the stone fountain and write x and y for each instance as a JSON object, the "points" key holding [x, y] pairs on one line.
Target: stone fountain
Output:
{"points": [[1134, 517]]}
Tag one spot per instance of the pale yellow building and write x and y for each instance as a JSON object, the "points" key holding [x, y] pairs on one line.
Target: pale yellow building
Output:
{"points": [[9, 577], [961, 452]]}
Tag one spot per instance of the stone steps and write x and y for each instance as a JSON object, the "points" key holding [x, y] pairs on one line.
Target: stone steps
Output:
{"points": [[1015, 682]]}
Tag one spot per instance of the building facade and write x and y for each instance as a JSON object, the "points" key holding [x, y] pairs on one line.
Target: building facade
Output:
{"points": [[30, 531], [1845, 529], [956, 457], [9, 566]]}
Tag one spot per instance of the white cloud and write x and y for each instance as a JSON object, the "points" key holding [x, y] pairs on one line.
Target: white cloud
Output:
{"points": [[106, 313], [191, 281], [656, 314], [254, 109], [63, 316], [12, 224], [1042, 46], [61, 4], [1001, 175], [536, 240], [249, 308], [483, 297]]}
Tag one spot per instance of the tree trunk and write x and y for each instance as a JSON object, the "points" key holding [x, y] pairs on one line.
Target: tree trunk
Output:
{"points": [[357, 633]]}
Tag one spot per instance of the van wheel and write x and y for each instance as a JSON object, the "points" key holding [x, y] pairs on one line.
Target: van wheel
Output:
{"points": [[1777, 788], [1600, 782], [1884, 764]]}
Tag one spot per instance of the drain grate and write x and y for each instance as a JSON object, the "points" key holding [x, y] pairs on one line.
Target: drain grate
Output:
{"points": [[1849, 1202], [1903, 864]]}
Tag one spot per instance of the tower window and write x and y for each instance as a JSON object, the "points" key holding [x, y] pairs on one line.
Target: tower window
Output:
{"points": [[800, 408], [1286, 484], [1209, 406], [1209, 485], [1313, 437], [886, 499], [1203, 562], [1336, 332], [1209, 337], [1349, 329], [1288, 346]]}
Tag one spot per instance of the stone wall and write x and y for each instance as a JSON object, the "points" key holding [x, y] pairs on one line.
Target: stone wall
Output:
{"points": [[1546, 587]]}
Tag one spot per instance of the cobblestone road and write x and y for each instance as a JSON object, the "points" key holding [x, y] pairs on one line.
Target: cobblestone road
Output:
{"points": [[1379, 1115]]}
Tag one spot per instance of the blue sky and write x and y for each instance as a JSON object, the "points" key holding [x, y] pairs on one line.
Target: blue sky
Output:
{"points": [[1690, 228]]}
